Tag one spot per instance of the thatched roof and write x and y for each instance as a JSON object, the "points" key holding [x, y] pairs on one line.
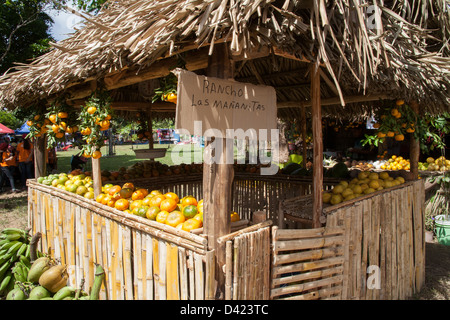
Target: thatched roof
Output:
{"points": [[404, 53]]}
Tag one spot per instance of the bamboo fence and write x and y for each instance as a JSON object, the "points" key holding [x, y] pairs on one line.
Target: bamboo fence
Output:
{"points": [[370, 248], [142, 259], [247, 268], [384, 243], [307, 264]]}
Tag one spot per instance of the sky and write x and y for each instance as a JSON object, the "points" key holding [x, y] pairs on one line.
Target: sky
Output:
{"points": [[63, 24]]}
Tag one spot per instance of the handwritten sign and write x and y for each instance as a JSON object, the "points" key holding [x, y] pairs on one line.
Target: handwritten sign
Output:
{"points": [[223, 104]]}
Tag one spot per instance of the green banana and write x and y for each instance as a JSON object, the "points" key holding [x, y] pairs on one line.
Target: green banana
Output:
{"points": [[15, 247], [8, 245], [13, 230], [22, 249], [18, 272], [64, 292], [2, 242], [27, 252], [5, 282], [11, 237], [25, 261]]}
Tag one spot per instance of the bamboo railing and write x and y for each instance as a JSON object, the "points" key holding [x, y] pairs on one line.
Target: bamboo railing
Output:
{"points": [[142, 259]]}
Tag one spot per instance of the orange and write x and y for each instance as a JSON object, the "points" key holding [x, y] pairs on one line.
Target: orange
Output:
{"points": [[199, 217], [146, 201], [37, 117], [142, 211], [91, 110], [97, 154], [172, 97], [162, 216], [114, 189], [69, 130], [105, 199], [391, 134], [52, 118], [135, 203], [394, 112], [381, 134], [62, 126], [188, 201], [111, 202], [62, 115], [128, 185], [174, 218], [122, 204], [173, 196], [108, 117], [190, 224], [137, 195], [200, 206], [143, 190], [55, 128], [59, 135], [235, 217], [410, 130], [100, 197], [86, 131], [190, 211], [399, 137], [168, 205], [152, 212], [155, 192], [400, 102], [29, 123], [156, 200], [126, 193]]}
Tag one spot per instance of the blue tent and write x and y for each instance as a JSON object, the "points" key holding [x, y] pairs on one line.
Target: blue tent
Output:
{"points": [[23, 129]]}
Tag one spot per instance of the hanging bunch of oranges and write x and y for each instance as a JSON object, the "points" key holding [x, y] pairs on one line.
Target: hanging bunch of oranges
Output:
{"points": [[396, 121], [95, 118], [60, 120], [37, 122]]}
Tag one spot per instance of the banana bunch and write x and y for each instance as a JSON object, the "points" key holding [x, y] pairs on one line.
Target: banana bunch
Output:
{"points": [[14, 258]]}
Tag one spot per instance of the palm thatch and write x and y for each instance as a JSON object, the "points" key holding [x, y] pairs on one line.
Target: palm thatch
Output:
{"points": [[403, 51]]}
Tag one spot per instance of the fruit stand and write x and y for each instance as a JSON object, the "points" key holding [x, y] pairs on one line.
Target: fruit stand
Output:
{"points": [[227, 234]]}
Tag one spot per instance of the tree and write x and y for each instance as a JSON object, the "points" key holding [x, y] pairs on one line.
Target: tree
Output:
{"points": [[24, 31], [25, 27], [8, 119]]}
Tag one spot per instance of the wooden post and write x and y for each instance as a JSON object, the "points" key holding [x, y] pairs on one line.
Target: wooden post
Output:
{"points": [[217, 181], [40, 156], [96, 170], [317, 145], [414, 148], [150, 129], [303, 124]]}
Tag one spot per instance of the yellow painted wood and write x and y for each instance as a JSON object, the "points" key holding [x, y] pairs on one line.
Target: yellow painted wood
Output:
{"points": [[173, 292]]}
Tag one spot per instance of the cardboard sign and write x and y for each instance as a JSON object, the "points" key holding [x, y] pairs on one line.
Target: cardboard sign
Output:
{"points": [[223, 104]]}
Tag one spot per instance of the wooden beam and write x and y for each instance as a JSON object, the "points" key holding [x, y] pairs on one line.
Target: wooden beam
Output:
{"points": [[40, 156], [317, 145], [217, 180], [333, 101], [195, 60], [414, 147]]}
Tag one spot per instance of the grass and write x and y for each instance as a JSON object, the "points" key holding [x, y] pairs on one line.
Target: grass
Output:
{"points": [[124, 156]]}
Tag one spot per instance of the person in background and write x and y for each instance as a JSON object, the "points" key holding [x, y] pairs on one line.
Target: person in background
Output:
{"points": [[7, 166], [25, 158], [52, 164], [77, 162]]}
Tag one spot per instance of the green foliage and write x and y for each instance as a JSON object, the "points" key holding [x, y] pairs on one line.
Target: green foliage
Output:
{"points": [[24, 31], [8, 119]]}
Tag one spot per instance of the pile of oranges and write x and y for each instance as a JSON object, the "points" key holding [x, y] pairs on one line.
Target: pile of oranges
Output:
{"points": [[396, 163], [167, 208]]}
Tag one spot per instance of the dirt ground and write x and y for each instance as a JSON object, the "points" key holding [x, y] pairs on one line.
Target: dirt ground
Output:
{"points": [[13, 213]]}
